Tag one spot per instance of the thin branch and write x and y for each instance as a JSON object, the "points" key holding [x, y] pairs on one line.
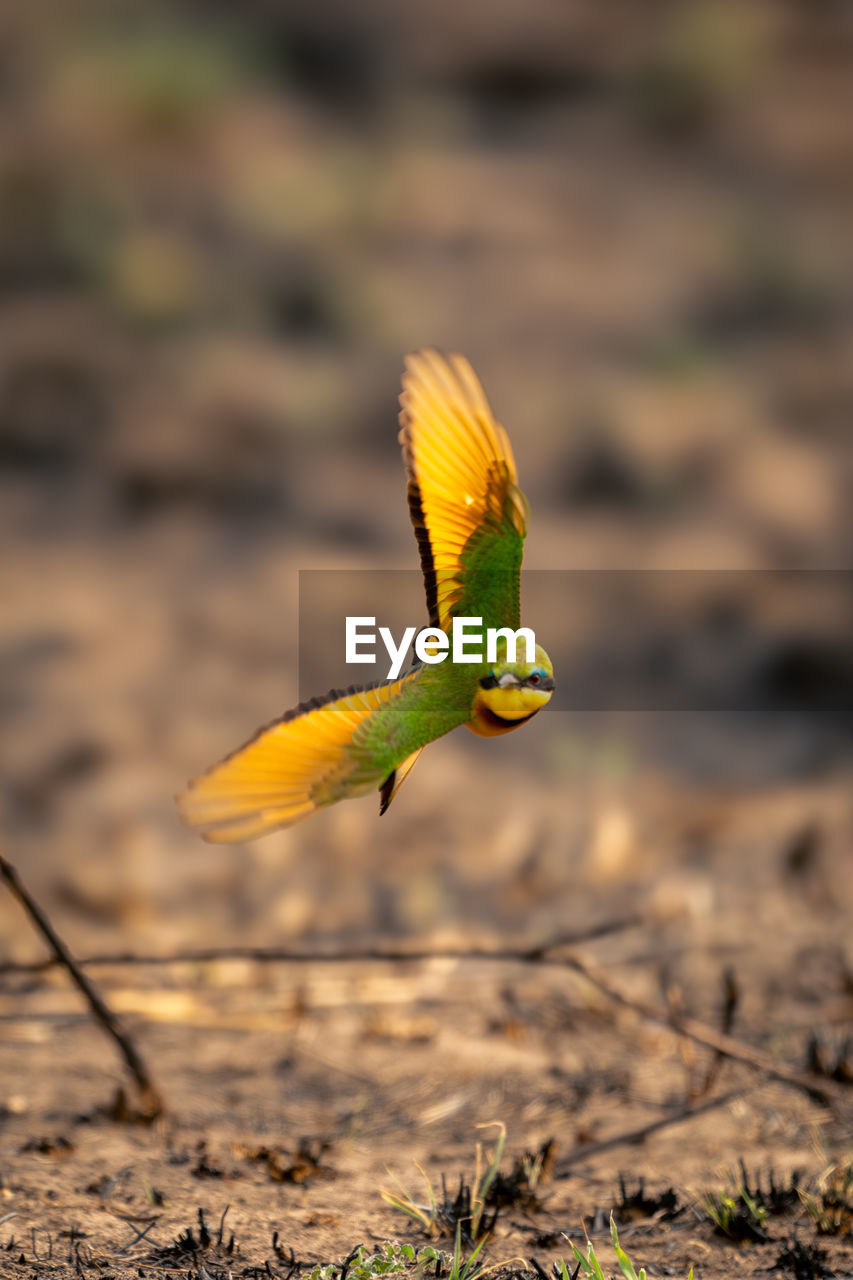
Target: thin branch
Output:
{"points": [[630, 1136], [731, 999], [152, 1105], [539, 953], [547, 954], [139, 1234], [817, 1087]]}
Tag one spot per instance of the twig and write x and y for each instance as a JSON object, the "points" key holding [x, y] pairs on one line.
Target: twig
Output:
{"points": [[139, 1234], [152, 1105], [539, 953], [546, 954], [587, 1149], [731, 999], [824, 1091]]}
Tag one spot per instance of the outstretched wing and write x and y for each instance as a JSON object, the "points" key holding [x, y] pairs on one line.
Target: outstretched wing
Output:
{"points": [[313, 756], [469, 515]]}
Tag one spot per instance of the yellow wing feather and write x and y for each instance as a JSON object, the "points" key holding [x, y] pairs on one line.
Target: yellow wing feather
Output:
{"points": [[460, 466], [288, 770]]}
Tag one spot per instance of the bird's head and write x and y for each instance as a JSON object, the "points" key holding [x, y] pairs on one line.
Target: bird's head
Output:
{"points": [[510, 693]]}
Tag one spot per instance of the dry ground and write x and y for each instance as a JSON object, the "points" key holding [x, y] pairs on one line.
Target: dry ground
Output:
{"points": [[295, 1092], [216, 243]]}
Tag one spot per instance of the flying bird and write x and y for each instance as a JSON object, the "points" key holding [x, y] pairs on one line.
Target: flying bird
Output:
{"points": [[470, 521]]}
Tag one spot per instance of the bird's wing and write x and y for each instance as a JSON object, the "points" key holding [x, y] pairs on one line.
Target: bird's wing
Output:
{"points": [[292, 767], [469, 515]]}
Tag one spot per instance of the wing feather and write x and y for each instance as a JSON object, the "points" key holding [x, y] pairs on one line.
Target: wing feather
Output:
{"points": [[291, 767], [469, 515]]}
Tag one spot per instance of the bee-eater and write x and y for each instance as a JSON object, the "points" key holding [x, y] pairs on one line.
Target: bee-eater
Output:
{"points": [[470, 520]]}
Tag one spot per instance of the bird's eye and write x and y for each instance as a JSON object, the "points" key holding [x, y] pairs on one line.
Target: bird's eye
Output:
{"points": [[534, 679]]}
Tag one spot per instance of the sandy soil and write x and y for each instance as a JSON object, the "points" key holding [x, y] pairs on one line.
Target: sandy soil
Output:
{"points": [[215, 247]]}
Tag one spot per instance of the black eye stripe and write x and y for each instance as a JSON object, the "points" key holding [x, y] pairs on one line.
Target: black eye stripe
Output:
{"points": [[537, 682]]}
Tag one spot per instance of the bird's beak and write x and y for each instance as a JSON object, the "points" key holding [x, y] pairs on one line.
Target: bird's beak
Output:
{"points": [[546, 683]]}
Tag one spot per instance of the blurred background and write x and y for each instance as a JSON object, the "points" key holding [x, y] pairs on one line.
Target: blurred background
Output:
{"points": [[221, 228]]}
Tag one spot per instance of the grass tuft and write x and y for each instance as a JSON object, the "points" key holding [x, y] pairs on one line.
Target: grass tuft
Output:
{"points": [[737, 1215], [830, 1205], [635, 1204], [588, 1264], [388, 1258], [469, 1215]]}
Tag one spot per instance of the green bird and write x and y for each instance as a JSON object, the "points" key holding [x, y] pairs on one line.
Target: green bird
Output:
{"points": [[470, 520]]}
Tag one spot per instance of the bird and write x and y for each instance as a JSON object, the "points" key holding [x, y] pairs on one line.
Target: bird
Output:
{"points": [[470, 520]]}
